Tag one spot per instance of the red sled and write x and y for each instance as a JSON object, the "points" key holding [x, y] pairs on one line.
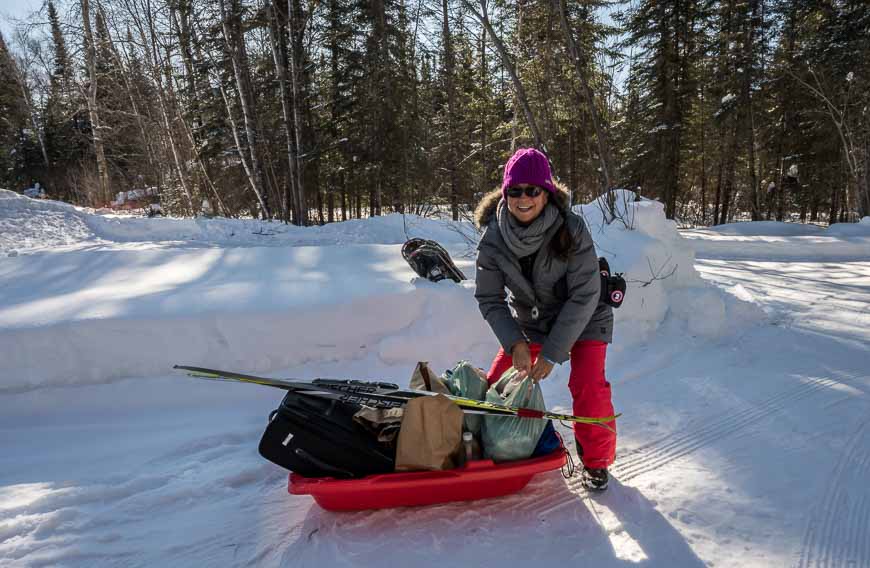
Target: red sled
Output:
{"points": [[479, 479]]}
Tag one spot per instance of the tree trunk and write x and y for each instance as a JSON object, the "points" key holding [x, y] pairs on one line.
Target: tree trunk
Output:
{"points": [[864, 178], [319, 202], [668, 150], [358, 200], [91, 63], [149, 45], [200, 88], [718, 199], [234, 128], [235, 45], [451, 108], [31, 112], [746, 96], [484, 78], [344, 203], [334, 109], [279, 58], [508, 63], [835, 203], [132, 93], [598, 124], [703, 169], [728, 174], [786, 116], [296, 59], [572, 158]]}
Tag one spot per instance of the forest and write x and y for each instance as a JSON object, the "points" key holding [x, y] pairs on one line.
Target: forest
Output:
{"points": [[314, 111]]}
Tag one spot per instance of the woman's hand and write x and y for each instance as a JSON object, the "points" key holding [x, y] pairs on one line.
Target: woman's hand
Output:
{"points": [[522, 358], [541, 369]]}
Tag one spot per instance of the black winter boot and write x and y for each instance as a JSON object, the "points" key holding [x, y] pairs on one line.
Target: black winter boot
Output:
{"points": [[595, 479]]}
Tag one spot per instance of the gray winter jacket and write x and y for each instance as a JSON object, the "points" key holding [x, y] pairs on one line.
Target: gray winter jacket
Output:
{"points": [[560, 305]]}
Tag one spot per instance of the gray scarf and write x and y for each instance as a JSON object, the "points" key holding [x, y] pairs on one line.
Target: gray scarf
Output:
{"points": [[525, 240]]}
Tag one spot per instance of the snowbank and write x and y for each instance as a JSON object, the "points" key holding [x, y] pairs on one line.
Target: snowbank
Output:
{"points": [[102, 350], [114, 308], [29, 225], [783, 241], [663, 285], [859, 229], [387, 229], [89, 317], [767, 229], [780, 229]]}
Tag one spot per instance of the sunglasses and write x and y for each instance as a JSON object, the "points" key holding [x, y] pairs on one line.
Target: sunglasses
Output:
{"points": [[516, 192]]}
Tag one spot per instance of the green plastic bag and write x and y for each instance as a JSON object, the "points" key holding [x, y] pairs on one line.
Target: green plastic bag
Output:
{"points": [[510, 438], [465, 380]]}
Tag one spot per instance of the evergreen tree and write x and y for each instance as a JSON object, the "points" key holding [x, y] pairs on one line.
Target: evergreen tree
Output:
{"points": [[64, 124], [661, 94], [323, 111], [13, 122]]}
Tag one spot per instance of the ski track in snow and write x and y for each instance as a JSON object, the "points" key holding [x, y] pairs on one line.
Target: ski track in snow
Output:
{"points": [[652, 456], [838, 533], [44, 523], [620, 528]]}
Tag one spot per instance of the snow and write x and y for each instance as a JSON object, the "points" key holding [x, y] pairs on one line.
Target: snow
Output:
{"points": [[29, 225], [860, 229], [767, 229], [35, 192], [781, 241], [659, 268], [739, 363], [123, 197]]}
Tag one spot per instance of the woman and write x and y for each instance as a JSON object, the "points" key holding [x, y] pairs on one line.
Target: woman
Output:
{"points": [[538, 287]]}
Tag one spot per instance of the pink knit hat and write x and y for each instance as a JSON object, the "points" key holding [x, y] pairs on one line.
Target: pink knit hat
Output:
{"points": [[527, 165]]}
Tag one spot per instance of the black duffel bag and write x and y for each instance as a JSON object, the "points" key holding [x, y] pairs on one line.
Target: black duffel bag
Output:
{"points": [[317, 437]]}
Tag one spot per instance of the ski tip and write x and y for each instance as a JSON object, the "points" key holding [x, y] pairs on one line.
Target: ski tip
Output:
{"points": [[196, 372]]}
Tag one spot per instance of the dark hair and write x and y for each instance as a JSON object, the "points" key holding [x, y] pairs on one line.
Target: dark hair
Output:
{"points": [[563, 242]]}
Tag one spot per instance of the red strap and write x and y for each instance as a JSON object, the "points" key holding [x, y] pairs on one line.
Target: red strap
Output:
{"points": [[529, 413]]}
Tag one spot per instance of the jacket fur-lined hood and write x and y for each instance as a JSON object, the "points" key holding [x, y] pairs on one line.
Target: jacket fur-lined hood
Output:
{"points": [[487, 206]]}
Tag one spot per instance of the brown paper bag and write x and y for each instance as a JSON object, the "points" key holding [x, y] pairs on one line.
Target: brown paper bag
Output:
{"points": [[424, 379], [431, 434]]}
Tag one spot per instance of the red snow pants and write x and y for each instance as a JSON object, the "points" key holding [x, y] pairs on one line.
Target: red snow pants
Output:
{"points": [[590, 392]]}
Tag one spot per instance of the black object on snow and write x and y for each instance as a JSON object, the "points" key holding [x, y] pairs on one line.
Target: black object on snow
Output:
{"points": [[612, 285], [430, 260], [317, 437]]}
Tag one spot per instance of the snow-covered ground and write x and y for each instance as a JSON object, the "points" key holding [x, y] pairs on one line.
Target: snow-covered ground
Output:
{"points": [[783, 241], [741, 365]]}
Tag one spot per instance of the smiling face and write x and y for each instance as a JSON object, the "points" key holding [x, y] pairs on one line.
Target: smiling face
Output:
{"points": [[526, 209]]}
